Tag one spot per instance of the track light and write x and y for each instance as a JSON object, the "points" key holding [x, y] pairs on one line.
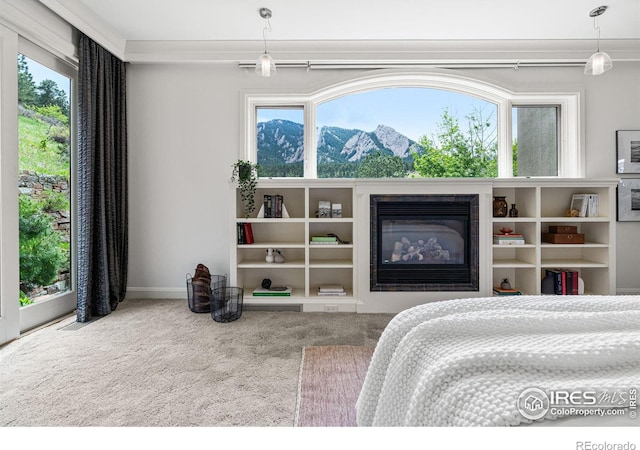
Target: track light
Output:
{"points": [[265, 66], [600, 62]]}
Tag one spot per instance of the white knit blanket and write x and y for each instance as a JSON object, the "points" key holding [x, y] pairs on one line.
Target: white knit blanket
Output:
{"points": [[465, 362]]}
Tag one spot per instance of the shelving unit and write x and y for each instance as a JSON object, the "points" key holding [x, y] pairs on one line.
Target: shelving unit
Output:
{"points": [[542, 203], [306, 266]]}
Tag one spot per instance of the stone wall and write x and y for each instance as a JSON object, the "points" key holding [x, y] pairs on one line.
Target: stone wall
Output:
{"points": [[36, 186]]}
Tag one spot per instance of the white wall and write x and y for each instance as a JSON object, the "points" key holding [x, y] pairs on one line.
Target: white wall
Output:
{"points": [[185, 133]]}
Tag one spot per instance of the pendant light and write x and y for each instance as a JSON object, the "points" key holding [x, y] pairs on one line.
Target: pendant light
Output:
{"points": [[265, 66], [600, 62]]}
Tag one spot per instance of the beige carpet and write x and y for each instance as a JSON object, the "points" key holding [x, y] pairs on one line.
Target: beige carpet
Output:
{"points": [[330, 381], [155, 363]]}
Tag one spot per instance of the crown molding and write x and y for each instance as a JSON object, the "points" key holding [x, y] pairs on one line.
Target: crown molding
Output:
{"points": [[88, 23], [414, 51], [39, 25]]}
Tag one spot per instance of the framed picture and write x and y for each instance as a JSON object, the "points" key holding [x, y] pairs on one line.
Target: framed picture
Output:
{"points": [[629, 199], [628, 151], [579, 202]]}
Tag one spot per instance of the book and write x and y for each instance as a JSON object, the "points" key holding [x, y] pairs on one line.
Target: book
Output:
{"points": [[332, 294], [324, 239], [248, 233], [278, 206], [324, 243], [500, 291], [336, 210], [272, 292], [241, 237], [268, 206], [331, 288], [592, 208], [509, 241], [557, 280]]}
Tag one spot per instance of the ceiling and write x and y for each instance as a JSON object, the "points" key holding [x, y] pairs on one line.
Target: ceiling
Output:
{"points": [[126, 23]]}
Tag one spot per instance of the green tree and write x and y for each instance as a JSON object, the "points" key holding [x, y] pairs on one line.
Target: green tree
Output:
{"points": [[26, 86], [41, 254], [49, 94], [454, 152], [377, 165]]}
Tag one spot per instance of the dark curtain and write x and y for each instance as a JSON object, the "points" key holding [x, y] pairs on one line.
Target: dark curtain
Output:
{"points": [[102, 181]]}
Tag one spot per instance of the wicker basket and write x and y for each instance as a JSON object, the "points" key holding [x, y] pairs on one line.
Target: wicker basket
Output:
{"points": [[199, 293], [226, 304]]}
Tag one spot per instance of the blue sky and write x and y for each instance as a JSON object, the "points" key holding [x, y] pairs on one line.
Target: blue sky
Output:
{"points": [[413, 112]]}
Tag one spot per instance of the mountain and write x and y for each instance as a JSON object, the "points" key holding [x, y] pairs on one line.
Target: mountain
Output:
{"points": [[282, 140]]}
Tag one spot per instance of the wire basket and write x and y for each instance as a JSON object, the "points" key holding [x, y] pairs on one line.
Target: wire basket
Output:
{"points": [[226, 304], [199, 292]]}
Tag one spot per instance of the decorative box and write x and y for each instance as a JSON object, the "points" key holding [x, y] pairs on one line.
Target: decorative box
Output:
{"points": [[563, 238], [566, 229]]}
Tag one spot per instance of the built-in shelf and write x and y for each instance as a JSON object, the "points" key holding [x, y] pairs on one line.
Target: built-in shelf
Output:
{"points": [[306, 265], [542, 203]]}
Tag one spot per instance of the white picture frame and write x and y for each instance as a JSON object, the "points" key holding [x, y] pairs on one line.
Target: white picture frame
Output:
{"points": [[628, 151], [580, 203]]}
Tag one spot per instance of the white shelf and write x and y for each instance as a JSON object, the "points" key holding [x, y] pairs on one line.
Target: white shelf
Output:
{"points": [[543, 203], [258, 264], [571, 263], [306, 265], [512, 263]]}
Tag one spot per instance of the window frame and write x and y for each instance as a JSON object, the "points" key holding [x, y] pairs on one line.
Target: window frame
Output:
{"points": [[570, 151]]}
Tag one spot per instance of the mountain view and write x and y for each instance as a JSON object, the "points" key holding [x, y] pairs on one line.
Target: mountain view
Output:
{"points": [[283, 141]]}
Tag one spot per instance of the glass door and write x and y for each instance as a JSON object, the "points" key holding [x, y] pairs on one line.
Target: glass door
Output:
{"points": [[45, 184]]}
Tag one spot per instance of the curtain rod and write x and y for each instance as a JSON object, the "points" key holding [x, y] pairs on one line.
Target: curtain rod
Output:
{"points": [[344, 65]]}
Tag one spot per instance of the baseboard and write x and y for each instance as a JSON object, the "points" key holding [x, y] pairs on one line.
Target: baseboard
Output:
{"points": [[156, 292], [627, 291]]}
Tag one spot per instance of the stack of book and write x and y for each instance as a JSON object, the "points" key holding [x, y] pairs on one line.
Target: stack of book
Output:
{"points": [[500, 291], [274, 291], [324, 240], [566, 282], [245, 233], [331, 290], [272, 206], [508, 239]]}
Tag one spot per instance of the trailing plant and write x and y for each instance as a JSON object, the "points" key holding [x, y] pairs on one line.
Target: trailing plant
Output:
{"points": [[246, 174]]}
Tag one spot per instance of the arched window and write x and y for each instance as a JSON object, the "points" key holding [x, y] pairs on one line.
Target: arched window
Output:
{"points": [[414, 124]]}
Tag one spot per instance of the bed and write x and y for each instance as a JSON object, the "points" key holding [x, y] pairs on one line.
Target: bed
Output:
{"points": [[493, 361]]}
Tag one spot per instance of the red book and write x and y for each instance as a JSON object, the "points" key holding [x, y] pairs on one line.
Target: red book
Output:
{"points": [[248, 233], [564, 282], [574, 281]]}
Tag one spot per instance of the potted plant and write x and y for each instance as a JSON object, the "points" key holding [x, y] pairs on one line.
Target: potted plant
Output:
{"points": [[246, 174]]}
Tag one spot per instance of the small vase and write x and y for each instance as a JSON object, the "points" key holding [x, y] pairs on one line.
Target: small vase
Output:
{"points": [[278, 258], [513, 212], [269, 258], [505, 284], [499, 207], [548, 284]]}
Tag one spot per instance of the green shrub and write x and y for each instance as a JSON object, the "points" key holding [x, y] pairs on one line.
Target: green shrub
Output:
{"points": [[41, 254], [24, 300]]}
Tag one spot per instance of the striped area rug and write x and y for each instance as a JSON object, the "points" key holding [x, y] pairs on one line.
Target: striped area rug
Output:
{"points": [[330, 381]]}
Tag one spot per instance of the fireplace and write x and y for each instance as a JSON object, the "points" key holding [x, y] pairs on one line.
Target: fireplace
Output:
{"points": [[424, 242]]}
